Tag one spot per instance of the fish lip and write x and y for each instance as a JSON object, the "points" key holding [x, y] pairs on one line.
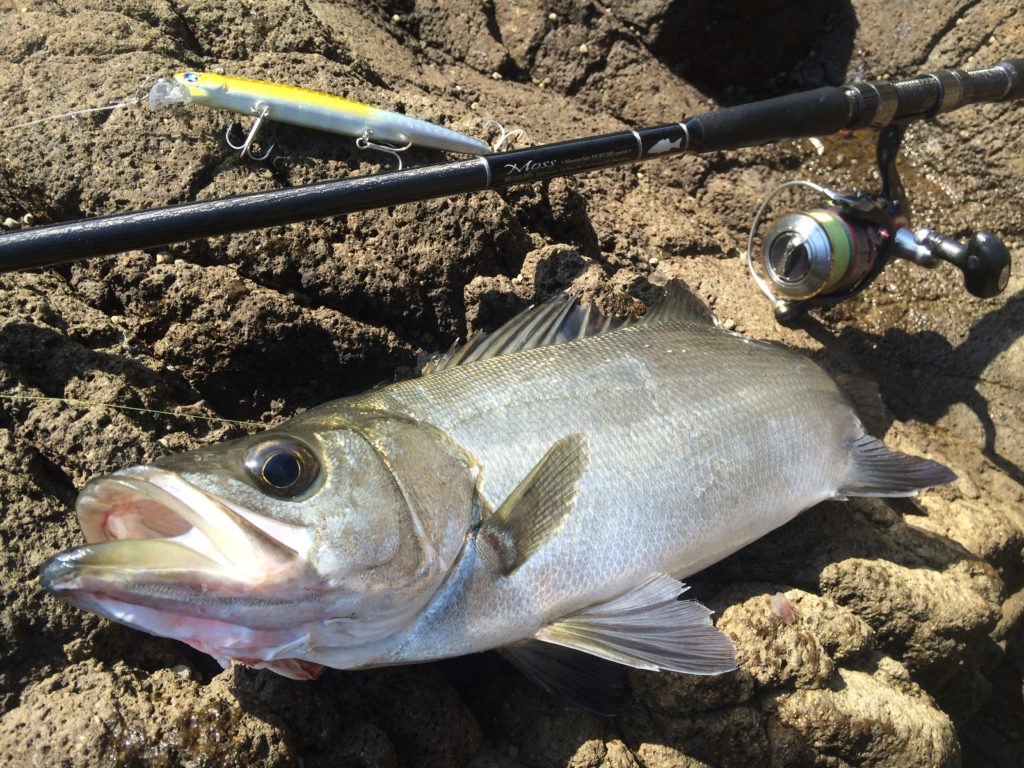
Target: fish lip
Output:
{"points": [[223, 639], [156, 540], [144, 503]]}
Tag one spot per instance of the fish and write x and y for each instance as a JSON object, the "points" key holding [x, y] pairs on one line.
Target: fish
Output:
{"points": [[540, 490]]}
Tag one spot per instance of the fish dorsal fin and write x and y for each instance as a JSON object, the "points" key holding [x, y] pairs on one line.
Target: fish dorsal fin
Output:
{"points": [[878, 471], [536, 510], [648, 627], [591, 683], [557, 321], [678, 302], [561, 320], [863, 393]]}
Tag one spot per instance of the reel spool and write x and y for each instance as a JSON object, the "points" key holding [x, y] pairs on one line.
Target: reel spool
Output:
{"points": [[817, 251]]}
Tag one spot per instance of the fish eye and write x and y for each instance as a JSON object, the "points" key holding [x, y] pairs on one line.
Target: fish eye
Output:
{"points": [[282, 467]]}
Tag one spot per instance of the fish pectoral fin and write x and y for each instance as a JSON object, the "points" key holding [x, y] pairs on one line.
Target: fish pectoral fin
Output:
{"points": [[536, 510], [649, 628], [878, 471], [591, 683]]}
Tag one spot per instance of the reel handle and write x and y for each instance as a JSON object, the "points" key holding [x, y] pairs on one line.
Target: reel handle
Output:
{"points": [[984, 260]]}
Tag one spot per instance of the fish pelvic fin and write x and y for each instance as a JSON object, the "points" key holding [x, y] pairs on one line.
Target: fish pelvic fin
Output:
{"points": [[648, 627], [593, 684], [536, 510], [878, 471], [294, 669]]}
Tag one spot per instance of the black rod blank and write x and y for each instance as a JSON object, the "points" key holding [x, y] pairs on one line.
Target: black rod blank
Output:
{"points": [[813, 113]]}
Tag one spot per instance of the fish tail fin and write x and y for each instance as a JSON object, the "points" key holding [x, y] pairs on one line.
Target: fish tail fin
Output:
{"points": [[878, 471]]}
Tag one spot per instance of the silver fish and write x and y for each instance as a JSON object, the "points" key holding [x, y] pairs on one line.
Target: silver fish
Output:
{"points": [[540, 491]]}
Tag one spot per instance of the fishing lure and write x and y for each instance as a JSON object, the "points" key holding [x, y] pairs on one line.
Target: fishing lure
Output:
{"points": [[372, 128]]}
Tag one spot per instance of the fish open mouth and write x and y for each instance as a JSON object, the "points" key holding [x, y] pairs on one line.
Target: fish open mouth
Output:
{"points": [[157, 542]]}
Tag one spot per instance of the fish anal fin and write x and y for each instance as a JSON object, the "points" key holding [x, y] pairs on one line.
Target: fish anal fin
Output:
{"points": [[648, 627], [591, 683], [878, 471], [537, 508]]}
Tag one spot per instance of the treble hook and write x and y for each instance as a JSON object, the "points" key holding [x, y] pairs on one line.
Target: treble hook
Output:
{"points": [[364, 142], [262, 110], [504, 137]]}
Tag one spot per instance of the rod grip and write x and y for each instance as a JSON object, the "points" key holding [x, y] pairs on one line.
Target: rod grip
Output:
{"points": [[817, 112]]}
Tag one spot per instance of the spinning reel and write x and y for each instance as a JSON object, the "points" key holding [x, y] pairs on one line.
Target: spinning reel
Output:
{"points": [[826, 255]]}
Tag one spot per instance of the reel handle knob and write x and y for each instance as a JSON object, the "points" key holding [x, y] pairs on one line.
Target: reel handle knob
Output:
{"points": [[984, 260]]}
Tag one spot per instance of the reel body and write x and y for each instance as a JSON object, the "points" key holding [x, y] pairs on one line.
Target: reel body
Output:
{"points": [[827, 254]]}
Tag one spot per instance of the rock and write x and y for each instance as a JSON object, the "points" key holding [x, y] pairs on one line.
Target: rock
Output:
{"points": [[120, 717], [866, 722]]}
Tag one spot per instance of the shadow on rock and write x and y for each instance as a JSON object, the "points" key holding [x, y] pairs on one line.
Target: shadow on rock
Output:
{"points": [[49, 361], [922, 375], [747, 44]]}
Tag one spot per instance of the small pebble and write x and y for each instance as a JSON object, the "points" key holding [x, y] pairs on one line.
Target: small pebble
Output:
{"points": [[782, 608], [28, 219], [475, 105], [654, 261], [180, 262], [495, 75], [729, 325], [517, 279], [552, 17], [164, 257], [395, 19], [182, 671], [584, 48], [10, 223]]}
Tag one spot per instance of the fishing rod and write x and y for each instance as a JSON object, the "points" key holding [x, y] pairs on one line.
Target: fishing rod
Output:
{"points": [[818, 112]]}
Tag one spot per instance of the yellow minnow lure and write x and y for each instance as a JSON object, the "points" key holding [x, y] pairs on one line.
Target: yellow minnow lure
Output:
{"points": [[309, 109]]}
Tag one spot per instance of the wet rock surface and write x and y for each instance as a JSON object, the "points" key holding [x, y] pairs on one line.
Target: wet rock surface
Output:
{"points": [[902, 640]]}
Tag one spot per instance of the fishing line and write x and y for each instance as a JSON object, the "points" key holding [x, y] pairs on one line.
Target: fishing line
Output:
{"points": [[97, 404], [136, 98]]}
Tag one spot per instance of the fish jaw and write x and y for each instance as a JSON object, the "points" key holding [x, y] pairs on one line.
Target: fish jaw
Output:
{"points": [[164, 557]]}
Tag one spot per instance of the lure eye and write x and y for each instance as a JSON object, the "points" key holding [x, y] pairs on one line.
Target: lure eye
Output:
{"points": [[282, 467]]}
